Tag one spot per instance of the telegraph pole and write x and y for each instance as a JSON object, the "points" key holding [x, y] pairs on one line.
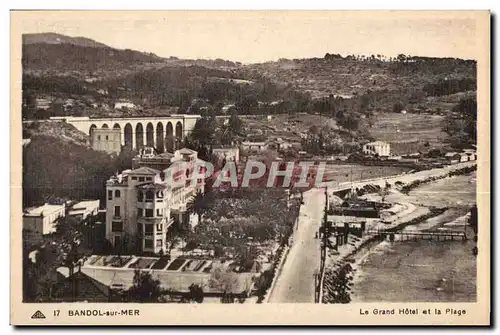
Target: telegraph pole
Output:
{"points": [[325, 228]]}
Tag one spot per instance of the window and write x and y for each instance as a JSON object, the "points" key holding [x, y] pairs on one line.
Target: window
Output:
{"points": [[117, 227], [141, 178], [140, 196], [110, 195], [107, 137], [149, 213], [148, 229], [140, 212], [117, 193], [149, 178], [148, 244], [159, 194], [159, 227], [159, 212], [159, 243], [117, 210], [150, 195], [134, 178], [98, 137]]}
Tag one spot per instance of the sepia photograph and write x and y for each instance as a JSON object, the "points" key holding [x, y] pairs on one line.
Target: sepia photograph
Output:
{"points": [[256, 158]]}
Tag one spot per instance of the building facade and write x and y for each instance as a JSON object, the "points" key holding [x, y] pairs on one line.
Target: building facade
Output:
{"points": [[106, 139], [142, 203], [227, 153], [377, 148], [253, 146], [42, 220]]}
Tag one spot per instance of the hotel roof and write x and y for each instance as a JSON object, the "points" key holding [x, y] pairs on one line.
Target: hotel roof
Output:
{"points": [[144, 170]]}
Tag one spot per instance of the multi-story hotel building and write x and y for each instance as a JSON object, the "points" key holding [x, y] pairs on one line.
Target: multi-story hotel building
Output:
{"points": [[142, 203]]}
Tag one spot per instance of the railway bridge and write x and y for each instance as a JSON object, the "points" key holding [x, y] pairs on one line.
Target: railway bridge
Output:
{"points": [[156, 131]]}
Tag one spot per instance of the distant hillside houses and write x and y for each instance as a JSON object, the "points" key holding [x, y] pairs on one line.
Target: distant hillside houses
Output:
{"points": [[377, 148], [124, 104], [459, 157]]}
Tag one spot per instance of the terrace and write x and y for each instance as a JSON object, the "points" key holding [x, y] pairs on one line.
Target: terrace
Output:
{"points": [[176, 264], [215, 276]]}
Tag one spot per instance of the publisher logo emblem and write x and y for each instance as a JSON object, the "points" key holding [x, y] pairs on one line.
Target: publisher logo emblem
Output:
{"points": [[38, 315]]}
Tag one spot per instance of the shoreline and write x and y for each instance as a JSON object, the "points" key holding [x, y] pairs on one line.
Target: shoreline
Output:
{"points": [[354, 256]]}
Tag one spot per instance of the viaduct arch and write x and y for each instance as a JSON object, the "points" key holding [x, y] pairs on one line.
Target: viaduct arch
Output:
{"points": [[160, 132]]}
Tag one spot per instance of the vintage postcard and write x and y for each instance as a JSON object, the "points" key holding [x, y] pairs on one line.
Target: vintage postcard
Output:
{"points": [[250, 168]]}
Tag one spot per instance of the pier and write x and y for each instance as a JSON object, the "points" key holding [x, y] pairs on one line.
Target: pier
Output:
{"points": [[419, 235]]}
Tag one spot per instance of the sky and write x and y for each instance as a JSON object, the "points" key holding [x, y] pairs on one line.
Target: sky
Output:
{"points": [[259, 36]]}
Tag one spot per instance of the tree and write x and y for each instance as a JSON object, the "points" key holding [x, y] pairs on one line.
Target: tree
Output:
{"points": [[145, 288], [460, 124], [235, 124], [384, 192], [71, 241], [198, 204], [203, 131], [227, 298], [247, 104], [349, 121], [29, 106], [195, 293], [339, 286], [397, 107]]}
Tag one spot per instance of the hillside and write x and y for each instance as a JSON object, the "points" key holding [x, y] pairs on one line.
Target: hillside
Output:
{"points": [[58, 131], [60, 55], [83, 61], [350, 76], [53, 38], [77, 76]]}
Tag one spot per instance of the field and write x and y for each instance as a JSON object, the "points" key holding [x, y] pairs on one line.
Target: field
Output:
{"points": [[287, 126], [420, 128]]}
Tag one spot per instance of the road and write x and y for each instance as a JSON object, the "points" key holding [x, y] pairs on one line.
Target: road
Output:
{"points": [[296, 281]]}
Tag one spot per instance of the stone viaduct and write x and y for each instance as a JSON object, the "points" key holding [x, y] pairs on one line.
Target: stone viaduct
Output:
{"points": [[156, 131]]}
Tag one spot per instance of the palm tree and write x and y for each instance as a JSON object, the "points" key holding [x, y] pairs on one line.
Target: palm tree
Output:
{"points": [[198, 204]]}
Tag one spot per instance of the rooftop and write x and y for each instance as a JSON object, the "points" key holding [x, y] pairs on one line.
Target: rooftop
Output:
{"points": [[253, 143], [186, 151], [86, 204], [177, 281], [144, 170], [152, 186], [377, 143], [44, 210]]}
